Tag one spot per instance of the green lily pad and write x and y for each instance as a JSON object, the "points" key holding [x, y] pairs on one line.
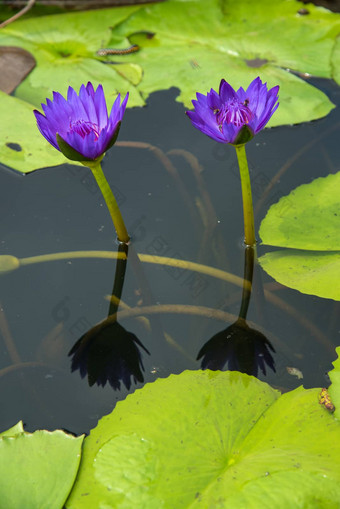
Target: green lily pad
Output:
{"points": [[237, 41], [65, 49], [314, 273], [37, 469], [14, 430], [23, 149], [335, 62], [182, 44], [334, 389], [307, 219], [211, 439]]}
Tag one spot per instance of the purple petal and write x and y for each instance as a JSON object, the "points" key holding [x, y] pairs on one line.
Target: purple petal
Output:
{"points": [[89, 106], [226, 91], [205, 117], [214, 134], [123, 106], [90, 89], [213, 100], [201, 99], [100, 106], [254, 87], [78, 110], [44, 128], [114, 113], [86, 146], [254, 94], [193, 116], [104, 139], [230, 132], [268, 109], [117, 111], [58, 117], [71, 94], [266, 119]]}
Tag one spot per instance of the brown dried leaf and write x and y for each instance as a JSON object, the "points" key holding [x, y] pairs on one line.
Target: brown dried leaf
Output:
{"points": [[15, 64]]}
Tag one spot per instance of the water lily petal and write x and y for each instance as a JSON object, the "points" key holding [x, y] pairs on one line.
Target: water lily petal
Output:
{"points": [[100, 106], [226, 91], [44, 128], [88, 103]]}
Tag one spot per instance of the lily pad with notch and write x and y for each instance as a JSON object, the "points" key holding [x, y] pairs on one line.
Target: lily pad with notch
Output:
{"points": [[306, 224], [211, 439]]}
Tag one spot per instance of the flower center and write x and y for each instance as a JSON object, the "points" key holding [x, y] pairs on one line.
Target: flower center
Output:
{"points": [[84, 128], [234, 112]]}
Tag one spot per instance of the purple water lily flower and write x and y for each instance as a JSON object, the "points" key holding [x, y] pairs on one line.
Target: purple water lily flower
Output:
{"points": [[234, 117], [80, 127]]}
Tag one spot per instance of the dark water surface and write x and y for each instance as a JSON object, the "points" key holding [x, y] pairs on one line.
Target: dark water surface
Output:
{"points": [[172, 207]]}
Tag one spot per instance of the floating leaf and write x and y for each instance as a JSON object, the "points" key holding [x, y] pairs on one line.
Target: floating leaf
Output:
{"points": [[15, 64], [14, 430], [23, 149], [307, 219], [38, 469], [236, 41], [314, 273], [211, 439], [334, 389], [236, 36], [182, 44], [336, 62], [65, 47]]}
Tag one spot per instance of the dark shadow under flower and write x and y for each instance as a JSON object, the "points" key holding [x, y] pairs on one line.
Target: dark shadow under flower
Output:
{"points": [[108, 353], [243, 348]]}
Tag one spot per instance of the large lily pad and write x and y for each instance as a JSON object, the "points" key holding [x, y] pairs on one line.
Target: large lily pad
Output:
{"points": [[182, 44], [307, 219], [65, 47], [37, 469], [211, 439], [196, 46]]}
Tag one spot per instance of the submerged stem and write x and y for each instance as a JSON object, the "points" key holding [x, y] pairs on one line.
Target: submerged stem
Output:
{"points": [[248, 213], [111, 202], [248, 280], [119, 279]]}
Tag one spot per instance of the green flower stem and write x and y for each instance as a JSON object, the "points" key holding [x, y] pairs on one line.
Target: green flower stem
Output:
{"points": [[248, 213], [110, 201]]}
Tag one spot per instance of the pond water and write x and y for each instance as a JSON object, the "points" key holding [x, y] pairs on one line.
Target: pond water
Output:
{"points": [[179, 193]]}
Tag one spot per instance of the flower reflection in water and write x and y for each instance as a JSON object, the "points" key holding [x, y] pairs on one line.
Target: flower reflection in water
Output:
{"points": [[108, 352], [242, 347]]}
